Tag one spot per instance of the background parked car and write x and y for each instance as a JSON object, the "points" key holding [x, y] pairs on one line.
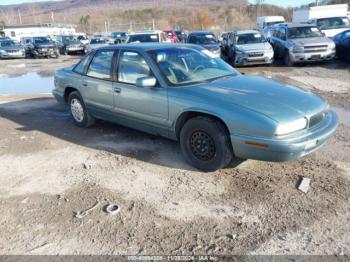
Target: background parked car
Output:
{"points": [[342, 41], [118, 37], [301, 43], [172, 35], [223, 42], [181, 36], [11, 49], [40, 46], [249, 47], [96, 43], [70, 44], [207, 40], [148, 37], [82, 38]]}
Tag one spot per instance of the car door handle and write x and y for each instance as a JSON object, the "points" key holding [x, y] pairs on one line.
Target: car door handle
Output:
{"points": [[117, 89], [85, 84]]}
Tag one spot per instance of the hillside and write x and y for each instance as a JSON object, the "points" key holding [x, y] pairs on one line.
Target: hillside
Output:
{"points": [[95, 15]]}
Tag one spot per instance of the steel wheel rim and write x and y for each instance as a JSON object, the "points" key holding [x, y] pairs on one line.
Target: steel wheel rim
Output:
{"points": [[202, 146], [77, 110]]}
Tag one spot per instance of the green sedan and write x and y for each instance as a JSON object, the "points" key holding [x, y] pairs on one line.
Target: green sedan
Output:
{"points": [[185, 93]]}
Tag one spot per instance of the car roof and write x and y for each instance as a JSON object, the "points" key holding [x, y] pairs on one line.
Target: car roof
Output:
{"points": [[147, 32], [293, 25], [244, 32], [149, 46], [202, 33]]}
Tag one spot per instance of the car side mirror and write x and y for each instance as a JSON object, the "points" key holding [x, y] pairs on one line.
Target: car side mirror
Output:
{"points": [[148, 81]]}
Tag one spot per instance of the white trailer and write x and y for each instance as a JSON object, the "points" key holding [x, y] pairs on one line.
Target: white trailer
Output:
{"points": [[266, 21], [331, 19], [17, 32]]}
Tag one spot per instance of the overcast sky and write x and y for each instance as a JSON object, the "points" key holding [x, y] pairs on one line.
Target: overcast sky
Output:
{"points": [[284, 3]]}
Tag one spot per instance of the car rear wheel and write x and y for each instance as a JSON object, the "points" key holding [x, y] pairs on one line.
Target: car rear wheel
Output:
{"points": [[205, 143], [77, 108]]}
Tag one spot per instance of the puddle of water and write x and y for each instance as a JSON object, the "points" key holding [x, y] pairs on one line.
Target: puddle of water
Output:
{"points": [[344, 115], [26, 84]]}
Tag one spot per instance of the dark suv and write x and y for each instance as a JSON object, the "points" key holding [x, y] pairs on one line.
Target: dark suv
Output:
{"points": [[69, 44], [41, 46]]}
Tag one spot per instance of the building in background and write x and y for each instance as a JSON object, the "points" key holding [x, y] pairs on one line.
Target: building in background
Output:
{"points": [[16, 32]]}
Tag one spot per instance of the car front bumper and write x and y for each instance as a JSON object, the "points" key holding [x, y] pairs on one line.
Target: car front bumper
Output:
{"points": [[312, 57], [13, 55], [285, 149], [245, 60]]}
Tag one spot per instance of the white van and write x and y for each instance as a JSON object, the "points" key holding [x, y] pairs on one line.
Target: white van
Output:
{"points": [[266, 21], [330, 19]]}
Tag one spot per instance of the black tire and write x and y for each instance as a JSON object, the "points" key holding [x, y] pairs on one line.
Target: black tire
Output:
{"points": [[205, 144], [286, 59], [86, 119]]}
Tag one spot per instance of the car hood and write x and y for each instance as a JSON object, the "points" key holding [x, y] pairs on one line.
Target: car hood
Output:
{"points": [[254, 47], [312, 41], [11, 48], [278, 101], [211, 47], [45, 45], [73, 43]]}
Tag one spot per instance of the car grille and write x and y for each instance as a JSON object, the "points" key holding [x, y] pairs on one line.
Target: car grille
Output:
{"points": [[315, 48], [256, 54], [13, 51], [317, 119]]}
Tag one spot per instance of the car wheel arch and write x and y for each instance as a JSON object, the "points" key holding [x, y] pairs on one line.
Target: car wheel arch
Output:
{"points": [[187, 115], [67, 91]]}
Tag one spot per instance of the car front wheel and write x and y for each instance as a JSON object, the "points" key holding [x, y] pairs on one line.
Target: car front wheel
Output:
{"points": [[205, 143], [77, 108]]}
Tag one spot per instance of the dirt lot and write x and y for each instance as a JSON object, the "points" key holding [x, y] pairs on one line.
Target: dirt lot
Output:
{"points": [[50, 170]]}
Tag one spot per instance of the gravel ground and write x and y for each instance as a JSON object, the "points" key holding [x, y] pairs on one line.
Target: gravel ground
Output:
{"points": [[51, 170]]}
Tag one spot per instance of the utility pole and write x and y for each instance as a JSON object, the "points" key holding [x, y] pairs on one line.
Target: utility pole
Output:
{"points": [[19, 16], [316, 2]]}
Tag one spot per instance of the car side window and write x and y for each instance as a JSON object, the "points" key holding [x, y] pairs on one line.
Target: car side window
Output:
{"points": [[80, 67], [100, 66], [131, 67]]}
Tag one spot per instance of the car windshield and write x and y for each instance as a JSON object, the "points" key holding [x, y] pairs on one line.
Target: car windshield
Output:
{"points": [[7, 43], [42, 40], [186, 66], [303, 32], [81, 37], [333, 23], [273, 23], [97, 41], [253, 38], [69, 38], [202, 39], [118, 34], [144, 38]]}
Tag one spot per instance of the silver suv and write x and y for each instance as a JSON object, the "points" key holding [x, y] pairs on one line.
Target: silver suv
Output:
{"points": [[248, 47], [301, 43]]}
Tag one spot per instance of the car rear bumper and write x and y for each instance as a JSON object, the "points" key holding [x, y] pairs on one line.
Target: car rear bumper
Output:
{"points": [[279, 150], [59, 95]]}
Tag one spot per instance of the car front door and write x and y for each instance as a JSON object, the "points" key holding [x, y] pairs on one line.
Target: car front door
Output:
{"points": [[144, 108], [97, 84]]}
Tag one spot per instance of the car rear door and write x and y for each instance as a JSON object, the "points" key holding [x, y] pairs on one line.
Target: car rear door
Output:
{"points": [[144, 108], [97, 84]]}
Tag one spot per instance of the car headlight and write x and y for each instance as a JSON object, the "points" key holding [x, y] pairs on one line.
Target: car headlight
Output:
{"points": [[298, 49], [290, 127], [331, 45], [3, 52]]}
